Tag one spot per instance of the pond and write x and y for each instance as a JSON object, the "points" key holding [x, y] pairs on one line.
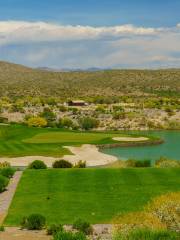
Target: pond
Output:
{"points": [[170, 148]]}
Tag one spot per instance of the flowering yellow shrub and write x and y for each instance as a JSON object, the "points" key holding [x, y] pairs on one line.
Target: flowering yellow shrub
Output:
{"points": [[161, 213], [137, 220], [37, 122], [167, 209]]}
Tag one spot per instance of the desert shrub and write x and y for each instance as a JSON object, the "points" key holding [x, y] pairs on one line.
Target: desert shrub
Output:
{"points": [[65, 123], [33, 222], [130, 163], [4, 164], [36, 122], [37, 164], [137, 220], [3, 183], [83, 226], [62, 164], [87, 123], [119, 115], [167, 163], [54, 229], [63, 108], [167, 209], [63, 235], [80, 164], [146, 234], [7, 172], [2, 229], [137, 163]]}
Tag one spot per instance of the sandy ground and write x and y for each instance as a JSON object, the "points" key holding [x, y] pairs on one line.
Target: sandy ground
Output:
{"points": [[130, 139], [14, 233], [88, 153]]}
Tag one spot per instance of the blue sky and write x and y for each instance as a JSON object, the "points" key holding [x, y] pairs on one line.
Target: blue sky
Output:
{"points": [[147, 36], [94, 12]]}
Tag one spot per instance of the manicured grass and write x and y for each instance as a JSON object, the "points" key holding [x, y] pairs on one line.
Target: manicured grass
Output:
{"points": [[71, 137], [96, 195], [18, 140], [12, 145]]}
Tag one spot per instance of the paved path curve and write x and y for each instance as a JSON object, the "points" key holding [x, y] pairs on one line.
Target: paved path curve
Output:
{"points": [[7, 196]]}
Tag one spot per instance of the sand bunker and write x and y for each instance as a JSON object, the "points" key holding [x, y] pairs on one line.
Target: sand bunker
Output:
{"points": [[130, 139], [88, 153]]}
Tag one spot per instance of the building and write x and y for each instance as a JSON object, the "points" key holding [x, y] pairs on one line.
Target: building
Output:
{"points": [[77, 103]]}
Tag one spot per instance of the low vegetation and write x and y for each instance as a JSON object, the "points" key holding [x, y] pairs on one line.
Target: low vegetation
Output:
{"points": [[146, 234], [33, 222], [65, 235], [3, 183], [62, 164], [37, 164], [7, 172], [83, 226]]}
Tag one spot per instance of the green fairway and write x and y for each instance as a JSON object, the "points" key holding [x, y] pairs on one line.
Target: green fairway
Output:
{"points": [[12, 145], [70, 137], [96, 195], [18, 140]]}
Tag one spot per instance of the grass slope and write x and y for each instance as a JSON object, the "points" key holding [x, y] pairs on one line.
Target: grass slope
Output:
{"points": [[17, 140], [96, 195]]}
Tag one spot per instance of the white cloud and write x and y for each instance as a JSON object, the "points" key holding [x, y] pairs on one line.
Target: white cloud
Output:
{"points": [[48, 44], [21, 31]]}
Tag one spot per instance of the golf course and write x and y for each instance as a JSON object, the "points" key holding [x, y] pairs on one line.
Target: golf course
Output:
{"points": [[19, 140]]}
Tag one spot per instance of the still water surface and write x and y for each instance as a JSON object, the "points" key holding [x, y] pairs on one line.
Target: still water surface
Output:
{"points": [[170, 148]]}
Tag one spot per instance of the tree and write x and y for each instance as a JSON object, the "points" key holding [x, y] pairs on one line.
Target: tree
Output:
{"points": [[87, 123], [48, 115], [65, 123]]}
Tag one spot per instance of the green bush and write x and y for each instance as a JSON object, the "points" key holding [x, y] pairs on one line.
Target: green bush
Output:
{"points": [[2, 229], [7, 172], [83, 226], [54, 229], [3, 183], [65, 123], [63, 235], [145, 163], [138, 163], [37, 164], [80, 164], [145, 234], [33, 222], [62, 164]]}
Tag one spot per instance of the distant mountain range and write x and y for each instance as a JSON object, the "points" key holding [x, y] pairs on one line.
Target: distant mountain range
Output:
{"points": [[92, 69]]}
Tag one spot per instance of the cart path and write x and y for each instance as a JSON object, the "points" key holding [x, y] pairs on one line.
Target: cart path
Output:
{"points": [[7, 196]]}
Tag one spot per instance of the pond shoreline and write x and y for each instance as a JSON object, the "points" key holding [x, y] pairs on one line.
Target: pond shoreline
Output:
{"points": [[131, 144]]}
